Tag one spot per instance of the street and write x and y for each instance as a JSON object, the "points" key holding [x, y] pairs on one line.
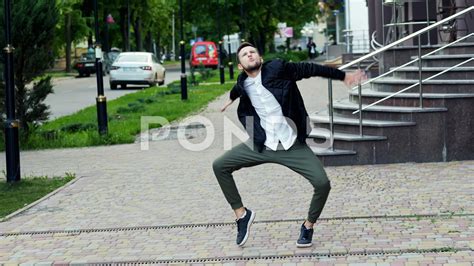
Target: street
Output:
{"points": [[72, 94]]}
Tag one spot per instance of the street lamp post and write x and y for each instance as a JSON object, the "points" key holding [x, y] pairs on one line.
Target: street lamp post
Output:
{"points": [[221, 54], [231, 65], [184, 85], [221, 63], [12, 146], [101, 100]]}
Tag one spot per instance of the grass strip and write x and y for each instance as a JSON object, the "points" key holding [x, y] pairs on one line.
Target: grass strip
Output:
{"points": [[14, 196]]}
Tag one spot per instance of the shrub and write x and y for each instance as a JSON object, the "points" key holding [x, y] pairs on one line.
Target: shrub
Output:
{"points": [[291, 56], [76, 127]]}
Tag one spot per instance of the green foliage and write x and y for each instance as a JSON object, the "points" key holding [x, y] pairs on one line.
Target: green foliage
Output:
{"points": [[70, 13], [14, 196], [205, 73], [76, 127], [131, 108], [328, 6], [149, 19], [198, 75], [291, 56], [33, 32], [259, 21]]}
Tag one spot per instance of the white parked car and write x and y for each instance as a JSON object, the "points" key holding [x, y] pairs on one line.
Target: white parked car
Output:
{"points": [[136, 68]]}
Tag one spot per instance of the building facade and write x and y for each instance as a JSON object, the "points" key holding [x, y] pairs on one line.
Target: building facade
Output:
{"points": [[393, 19]]}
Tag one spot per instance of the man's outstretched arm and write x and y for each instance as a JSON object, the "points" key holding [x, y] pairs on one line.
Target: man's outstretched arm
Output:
{"points": [[298, 71]]}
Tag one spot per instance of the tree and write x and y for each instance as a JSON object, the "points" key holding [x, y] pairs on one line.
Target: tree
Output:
{"points": [[157, 24], [259, 21], [71, 28], [33, 30]]}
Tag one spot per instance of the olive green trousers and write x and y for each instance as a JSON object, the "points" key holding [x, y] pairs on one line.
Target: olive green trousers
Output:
{"points": [[299, 158]]}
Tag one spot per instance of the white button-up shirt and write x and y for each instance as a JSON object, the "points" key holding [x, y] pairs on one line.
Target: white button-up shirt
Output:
{"points": [[271, 116]]}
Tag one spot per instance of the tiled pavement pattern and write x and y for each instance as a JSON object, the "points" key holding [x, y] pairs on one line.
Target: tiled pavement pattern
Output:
{"points": [[164, 206]]}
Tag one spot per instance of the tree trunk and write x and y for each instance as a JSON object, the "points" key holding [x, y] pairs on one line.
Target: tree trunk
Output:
{"points": [[138, 33], [123, 28], [158, 45], [90, 42], [261, 41], [105, 33], [149, 42], [271, 47], [68, 42]]}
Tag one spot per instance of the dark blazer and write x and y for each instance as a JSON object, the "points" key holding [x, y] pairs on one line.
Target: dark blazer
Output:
{"points": [[279, 77]]}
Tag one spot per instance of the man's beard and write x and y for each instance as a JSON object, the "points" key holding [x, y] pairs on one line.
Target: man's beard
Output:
{"points": [[254, 68]]}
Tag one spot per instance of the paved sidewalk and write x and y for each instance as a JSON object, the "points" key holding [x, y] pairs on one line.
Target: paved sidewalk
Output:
{"points": [[164, 206]]}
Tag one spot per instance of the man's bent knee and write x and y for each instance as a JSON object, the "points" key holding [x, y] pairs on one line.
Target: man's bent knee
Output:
{"points": [[323, 186], [217, 166]]}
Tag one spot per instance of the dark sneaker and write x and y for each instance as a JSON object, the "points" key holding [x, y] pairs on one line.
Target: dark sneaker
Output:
{"points": [[243, 227], [306, 237]]}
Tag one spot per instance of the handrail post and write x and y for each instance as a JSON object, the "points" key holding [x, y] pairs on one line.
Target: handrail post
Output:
{"points": [[427, 21], [420, 71], [360, 105], [331, 114], [383, 26]]}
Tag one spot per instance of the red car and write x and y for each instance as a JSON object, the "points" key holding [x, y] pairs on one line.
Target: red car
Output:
{"points": [[204, 53]]}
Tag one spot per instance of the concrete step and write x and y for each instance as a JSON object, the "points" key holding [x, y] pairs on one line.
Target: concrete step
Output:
{"points": [[350, 125], [394, 84], [427, 72], [346, 105], [324, 151], [320, 133], [444, 60], [383, 112], [410, 99], [323, 118], [400, 55]]}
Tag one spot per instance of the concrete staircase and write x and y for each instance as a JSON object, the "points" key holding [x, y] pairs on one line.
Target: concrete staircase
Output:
{"points": [[398, 130]]}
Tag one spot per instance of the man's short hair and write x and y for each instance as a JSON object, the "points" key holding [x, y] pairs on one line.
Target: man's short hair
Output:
{"points": [[242, 46]]}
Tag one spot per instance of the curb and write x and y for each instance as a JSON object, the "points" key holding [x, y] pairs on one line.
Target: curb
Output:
{"points": [[11, 215]]}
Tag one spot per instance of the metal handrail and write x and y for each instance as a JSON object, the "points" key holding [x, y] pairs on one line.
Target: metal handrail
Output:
{"points": [[383, 49], [414, 85], [413, 61], [373, 42]]}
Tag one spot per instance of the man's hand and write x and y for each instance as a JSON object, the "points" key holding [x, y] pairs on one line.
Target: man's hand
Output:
{"points": [[354, 78], [229, 102]]}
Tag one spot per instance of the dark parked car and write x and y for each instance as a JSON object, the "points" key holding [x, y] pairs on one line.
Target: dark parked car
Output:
{"points": [[86, 65]]}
